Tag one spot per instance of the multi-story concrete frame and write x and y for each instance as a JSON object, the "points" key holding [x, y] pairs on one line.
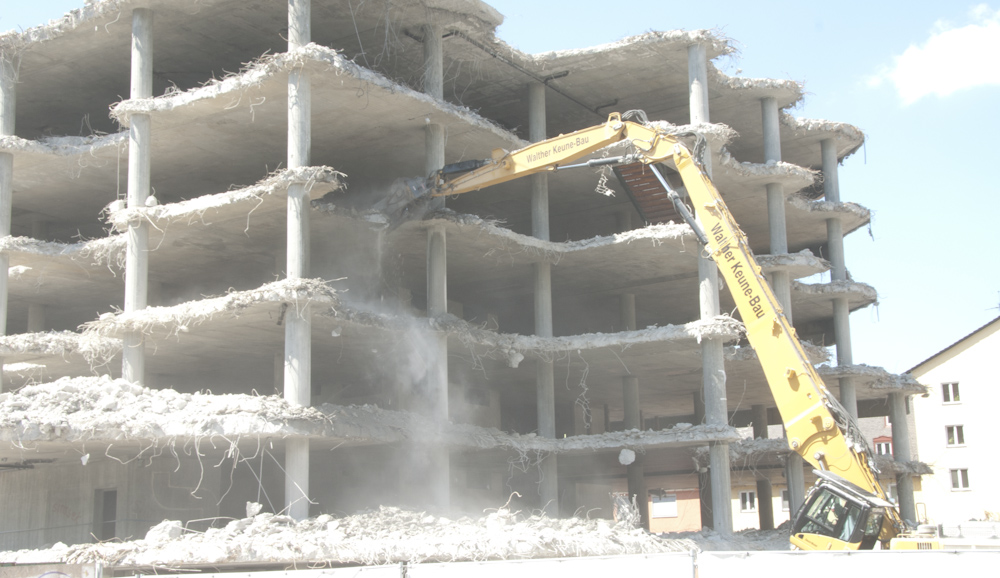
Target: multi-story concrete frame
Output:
{"points": [[540, 306]]}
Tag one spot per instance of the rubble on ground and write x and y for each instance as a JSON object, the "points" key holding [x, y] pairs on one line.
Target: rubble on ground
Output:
{"points": [[743, 541], [383, 536]]}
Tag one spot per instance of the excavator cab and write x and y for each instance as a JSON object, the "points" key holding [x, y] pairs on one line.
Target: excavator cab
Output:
{"points": [[838, 515]]}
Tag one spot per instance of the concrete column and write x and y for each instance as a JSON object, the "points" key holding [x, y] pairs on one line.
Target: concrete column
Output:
{"points": [[630, 395], [759, 413], [831, 192], [838, 272], [140, 132], [776, 218], [901, 453], [436, 400], [436, 403], [434, 86], [771, 126], [713, 365], [539, 183], [279, 373], [765, 495], [433, 60], [298, 321], [636, 471], [842, 333], [548, 486], [8, 98], [704, 480], [780, 282], [698, 83], [796, 477], [36, 318], [633, 419], [626, 306]]}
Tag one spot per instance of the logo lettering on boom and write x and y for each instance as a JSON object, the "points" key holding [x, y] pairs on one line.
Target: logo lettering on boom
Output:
{"points": [[538, 155], [570, 144], [736, 268], [558, 148]]}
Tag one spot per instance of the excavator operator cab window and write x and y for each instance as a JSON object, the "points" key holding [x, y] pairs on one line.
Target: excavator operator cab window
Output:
{"points": [[873, 526], [833, 515]]}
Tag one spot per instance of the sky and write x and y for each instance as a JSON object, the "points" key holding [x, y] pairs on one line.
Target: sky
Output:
{"points": [[920, 78]]}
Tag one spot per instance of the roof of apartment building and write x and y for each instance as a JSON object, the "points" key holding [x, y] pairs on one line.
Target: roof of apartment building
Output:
{"points": [[988, 329]]}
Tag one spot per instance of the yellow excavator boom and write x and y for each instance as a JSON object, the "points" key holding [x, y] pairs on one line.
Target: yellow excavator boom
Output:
{"points": [[814, 421]]}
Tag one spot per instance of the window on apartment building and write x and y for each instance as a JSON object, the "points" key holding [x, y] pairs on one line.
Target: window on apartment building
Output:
{"points": [[883, 448], [748, 501], [663, 505], [956, 435], [960, 479], [785, 503], [949, 392]]}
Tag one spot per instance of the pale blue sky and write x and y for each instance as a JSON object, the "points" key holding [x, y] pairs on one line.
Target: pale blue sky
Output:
{"points": [[921, 79]]}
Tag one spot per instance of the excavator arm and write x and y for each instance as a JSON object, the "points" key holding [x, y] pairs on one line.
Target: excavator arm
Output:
{"points": [[817, 426], [814, 421]]}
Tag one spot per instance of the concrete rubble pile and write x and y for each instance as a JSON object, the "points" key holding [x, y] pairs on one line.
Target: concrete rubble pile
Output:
{"points": [[383, 536]]}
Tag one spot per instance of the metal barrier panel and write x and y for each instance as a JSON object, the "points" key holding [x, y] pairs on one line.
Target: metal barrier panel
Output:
{"points": [[964, 564], [679, 564], [51, 571], [388, 571]]}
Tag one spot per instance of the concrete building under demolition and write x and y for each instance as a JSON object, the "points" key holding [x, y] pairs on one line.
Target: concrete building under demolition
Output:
{"points": [[203, 310]]}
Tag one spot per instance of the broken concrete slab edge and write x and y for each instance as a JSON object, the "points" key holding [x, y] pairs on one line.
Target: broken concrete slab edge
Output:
{"points": [[811, 206], [14, 41], [277, 182], [64, 145], [105, 251], [512, 347], [787, 92], [785, 261], [179, 317], [103, 410], [311, 55], [850, 137], [838, 288], [53, 343], [715, 44]]}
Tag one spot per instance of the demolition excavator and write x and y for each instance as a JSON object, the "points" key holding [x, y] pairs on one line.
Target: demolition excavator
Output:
{"points": [[846, 508]]}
